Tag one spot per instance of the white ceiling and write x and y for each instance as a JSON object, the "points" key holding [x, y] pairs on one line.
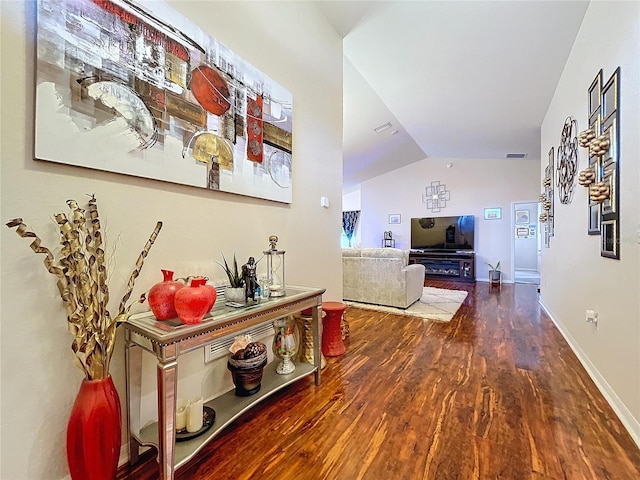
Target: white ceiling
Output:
{"points": [[456, 79]]}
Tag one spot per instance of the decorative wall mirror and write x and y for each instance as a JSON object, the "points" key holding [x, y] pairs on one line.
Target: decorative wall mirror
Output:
{"points": [[595, 93], [610, 168]]}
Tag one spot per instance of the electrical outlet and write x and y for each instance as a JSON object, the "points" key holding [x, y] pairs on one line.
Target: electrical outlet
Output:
{"points": [[592, 317]]}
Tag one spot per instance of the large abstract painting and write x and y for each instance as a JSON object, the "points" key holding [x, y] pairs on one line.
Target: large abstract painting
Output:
{"points": [[121, 90]]}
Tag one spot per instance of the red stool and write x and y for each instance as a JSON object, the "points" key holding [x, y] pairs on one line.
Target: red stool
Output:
{"points": [[332, 345]]}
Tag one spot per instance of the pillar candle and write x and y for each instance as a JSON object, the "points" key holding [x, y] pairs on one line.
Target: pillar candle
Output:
{"points": [[194, 415], [181, 414]]}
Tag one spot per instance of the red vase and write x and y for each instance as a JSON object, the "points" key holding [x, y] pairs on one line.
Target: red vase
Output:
{"points": [[162, 296], [194, 302], [93, 431]]}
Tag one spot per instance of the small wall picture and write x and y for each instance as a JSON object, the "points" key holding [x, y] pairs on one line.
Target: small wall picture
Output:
{"points": [[493, 213], [394, 219], [522, 217]]}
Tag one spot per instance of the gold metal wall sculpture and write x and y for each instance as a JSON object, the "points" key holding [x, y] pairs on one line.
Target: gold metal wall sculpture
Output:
{"points": [[602, 139], [546, 199]]}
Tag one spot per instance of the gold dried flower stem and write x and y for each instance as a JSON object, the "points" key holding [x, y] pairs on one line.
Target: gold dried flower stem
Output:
{"points": [[82, 284]]}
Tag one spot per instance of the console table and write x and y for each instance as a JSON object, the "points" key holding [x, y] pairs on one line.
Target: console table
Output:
{"points": [[169, 339], [453, 265]]}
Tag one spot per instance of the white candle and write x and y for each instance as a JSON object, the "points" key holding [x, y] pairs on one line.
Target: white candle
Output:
{"points": [[181, 414], [181, 418], [194, 415]]}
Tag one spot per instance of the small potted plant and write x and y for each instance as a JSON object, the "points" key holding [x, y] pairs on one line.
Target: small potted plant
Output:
{"points": [[495, 274], [235, 291]]}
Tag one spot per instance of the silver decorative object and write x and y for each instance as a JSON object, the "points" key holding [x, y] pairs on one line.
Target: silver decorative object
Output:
{"points": [[275, 268]]}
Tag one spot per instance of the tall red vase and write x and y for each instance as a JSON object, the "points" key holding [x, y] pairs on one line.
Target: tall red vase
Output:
{"points": [[162, 296], [93, 431]]}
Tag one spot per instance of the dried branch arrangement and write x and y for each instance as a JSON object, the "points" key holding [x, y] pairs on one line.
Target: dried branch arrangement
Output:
{"points": [[82, 283]]}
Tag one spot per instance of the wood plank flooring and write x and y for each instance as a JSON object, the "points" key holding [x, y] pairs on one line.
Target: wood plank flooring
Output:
{"points": [[494, 394]]}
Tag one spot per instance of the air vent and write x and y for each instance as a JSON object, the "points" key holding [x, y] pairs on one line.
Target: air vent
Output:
{"points": [[382, 128], [516, 155], [220, 347]]}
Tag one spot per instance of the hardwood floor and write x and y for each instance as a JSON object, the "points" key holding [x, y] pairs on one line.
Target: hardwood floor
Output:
{"points": [[494, 394]]}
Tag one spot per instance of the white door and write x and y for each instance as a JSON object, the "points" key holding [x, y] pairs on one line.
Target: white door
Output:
{"points": [[526, 259]]}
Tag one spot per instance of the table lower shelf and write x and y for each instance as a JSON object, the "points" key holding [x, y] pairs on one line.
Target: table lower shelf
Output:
{"points": [[228, 407]]}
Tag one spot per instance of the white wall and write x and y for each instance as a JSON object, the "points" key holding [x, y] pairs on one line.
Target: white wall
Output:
{"points": [[574, 275], [474, 186], [290, 42]]}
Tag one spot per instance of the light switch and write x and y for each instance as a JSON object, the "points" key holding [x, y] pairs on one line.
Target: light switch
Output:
{"points": [[324, 202]]}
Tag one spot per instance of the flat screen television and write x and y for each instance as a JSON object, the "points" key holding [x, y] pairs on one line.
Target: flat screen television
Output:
{"points": [[443, 233]]}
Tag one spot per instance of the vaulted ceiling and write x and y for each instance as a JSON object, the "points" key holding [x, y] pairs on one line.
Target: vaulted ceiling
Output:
{"points": [[455, 79]]}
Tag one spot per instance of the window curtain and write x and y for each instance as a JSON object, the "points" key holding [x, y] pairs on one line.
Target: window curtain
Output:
{"points": [[349, 221]]}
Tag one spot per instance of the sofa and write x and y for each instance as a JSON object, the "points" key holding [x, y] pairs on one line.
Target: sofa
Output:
{"points": [[381, 276]]}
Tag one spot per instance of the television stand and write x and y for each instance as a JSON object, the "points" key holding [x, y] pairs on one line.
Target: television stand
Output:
{"points": [[446, 265]]}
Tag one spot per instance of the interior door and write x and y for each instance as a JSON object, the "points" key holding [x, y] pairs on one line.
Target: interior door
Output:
{"points": [[526, 259]]}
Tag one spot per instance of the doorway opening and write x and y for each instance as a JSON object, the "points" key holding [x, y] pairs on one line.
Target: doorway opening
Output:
{"points": [[526, 242]]}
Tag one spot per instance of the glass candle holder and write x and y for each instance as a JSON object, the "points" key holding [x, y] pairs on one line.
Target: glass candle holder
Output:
{"points": [[286, 342]]}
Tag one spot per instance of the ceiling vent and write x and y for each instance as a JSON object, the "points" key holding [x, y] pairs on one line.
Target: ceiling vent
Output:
{"points": [[516, 155], [382, 128]]}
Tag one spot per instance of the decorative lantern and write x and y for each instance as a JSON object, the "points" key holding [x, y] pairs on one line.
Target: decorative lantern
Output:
{"points": [[286, 342], [275, 268]]}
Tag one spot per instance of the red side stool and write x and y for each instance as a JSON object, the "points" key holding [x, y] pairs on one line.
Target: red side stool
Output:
{"points": [[332, 345]]}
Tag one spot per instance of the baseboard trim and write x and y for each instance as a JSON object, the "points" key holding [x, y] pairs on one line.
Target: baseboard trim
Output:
{"points": [[630, 423], [486, 280], [124, 454]]}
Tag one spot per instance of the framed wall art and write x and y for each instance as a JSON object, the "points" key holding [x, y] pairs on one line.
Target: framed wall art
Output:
{"points": [[120, 90], [394, 219], [493, 213], [522, 217]]}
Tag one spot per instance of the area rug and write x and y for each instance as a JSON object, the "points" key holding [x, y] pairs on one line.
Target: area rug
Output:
{"points": [[435, 304]]}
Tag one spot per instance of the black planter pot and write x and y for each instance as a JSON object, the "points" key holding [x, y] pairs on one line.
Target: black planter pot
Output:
{"points": [[247, 379]]}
